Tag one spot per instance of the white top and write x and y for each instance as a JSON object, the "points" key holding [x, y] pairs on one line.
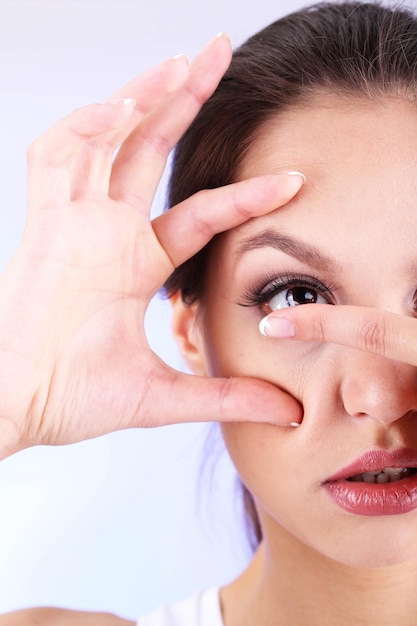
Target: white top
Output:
{"points": [[202, 609]]}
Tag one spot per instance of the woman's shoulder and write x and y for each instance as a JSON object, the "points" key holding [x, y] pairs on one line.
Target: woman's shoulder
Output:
{"points": [[61, 617], [201, 609]]}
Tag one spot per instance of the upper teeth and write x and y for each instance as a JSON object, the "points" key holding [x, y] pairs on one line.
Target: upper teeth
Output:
{"points": [[388, 470], [387, 474]]}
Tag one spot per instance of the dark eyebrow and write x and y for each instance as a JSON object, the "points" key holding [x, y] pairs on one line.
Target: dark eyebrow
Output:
{"points": [[301, 250]]}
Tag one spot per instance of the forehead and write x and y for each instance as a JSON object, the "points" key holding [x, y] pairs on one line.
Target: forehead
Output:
{"points": [[331, 131], [359, 158], [358, 206]]}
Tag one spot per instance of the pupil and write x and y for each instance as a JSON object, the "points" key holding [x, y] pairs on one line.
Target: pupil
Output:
{"points": [[301, 295]]}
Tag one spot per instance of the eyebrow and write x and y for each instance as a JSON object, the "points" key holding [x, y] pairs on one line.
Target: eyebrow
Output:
{"points": [[297, 248]]}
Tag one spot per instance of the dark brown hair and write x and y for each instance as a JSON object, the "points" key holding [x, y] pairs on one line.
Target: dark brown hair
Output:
{"points": [[350, 49]]}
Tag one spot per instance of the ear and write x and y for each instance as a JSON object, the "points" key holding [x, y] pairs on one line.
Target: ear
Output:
{"points": [[188, 334]]}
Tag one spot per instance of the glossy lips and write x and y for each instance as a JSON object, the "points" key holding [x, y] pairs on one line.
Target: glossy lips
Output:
{"points": [[389, 498]]}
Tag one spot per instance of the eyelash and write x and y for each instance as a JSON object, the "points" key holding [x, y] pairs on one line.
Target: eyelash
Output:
{"points": [[261, 293]]}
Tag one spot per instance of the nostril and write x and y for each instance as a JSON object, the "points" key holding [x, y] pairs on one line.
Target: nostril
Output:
{"points": [[384, 392]]}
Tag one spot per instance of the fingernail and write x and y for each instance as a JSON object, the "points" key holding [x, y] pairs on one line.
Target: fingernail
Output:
{"points": [[295, 424], [295, 173], [124, 101], [220, 35], [278, 327], [178, 57]]}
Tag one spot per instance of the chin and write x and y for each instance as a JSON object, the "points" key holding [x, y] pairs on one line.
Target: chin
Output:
{"points": [[384, 543]]}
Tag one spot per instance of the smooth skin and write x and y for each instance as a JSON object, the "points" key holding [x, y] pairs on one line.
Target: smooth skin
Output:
{"points": [[350, 234], [74, 358], [61, 617], [368, 329], [73, 351]]}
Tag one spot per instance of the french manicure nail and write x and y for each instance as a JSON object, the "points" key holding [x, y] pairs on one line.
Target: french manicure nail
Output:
{"points": [[295, 173], [124, 101], [295, 424], [177, 57], [278, 327]]}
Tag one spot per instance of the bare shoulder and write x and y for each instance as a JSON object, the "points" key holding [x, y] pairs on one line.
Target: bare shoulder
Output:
{"points": [[61, 617]]}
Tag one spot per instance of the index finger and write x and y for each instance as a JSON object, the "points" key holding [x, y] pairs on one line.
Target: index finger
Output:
{"points": [[372, 330]]}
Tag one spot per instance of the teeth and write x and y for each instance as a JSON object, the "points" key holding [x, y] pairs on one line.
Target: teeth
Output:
{"points": [[386, 475], [369, 477], [394, 470]]}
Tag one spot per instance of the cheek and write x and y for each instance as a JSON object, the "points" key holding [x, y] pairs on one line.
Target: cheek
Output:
{"points": [[235, 347], [253, 448], [266, 459], [248, 446]]}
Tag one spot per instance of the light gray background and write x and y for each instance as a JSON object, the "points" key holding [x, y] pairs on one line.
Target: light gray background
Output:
{"points": [[124, 522]]}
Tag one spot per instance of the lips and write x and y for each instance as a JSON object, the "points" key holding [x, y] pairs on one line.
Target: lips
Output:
{"points": [[386, 498]]}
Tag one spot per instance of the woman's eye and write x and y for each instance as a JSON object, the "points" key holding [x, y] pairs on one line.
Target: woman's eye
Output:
{"points": [[293, 297]]}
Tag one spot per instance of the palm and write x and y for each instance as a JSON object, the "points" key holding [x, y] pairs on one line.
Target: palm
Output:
{"points": [[91, 286]]}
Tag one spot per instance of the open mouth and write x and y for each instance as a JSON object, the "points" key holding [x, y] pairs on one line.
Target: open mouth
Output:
{"points": [[385, 475], [366, 486]]}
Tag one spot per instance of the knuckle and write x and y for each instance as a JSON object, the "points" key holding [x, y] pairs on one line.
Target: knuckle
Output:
{"points": [[35, 150], [104, 148], [41, 152], [133, 198], [372, 336], [317, 328], [200, 218], [158, 143], [224, 395], [193, 94], [242, 211]]}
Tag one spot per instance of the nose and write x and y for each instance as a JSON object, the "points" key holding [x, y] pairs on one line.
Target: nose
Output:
{"points": [[378, 388]]}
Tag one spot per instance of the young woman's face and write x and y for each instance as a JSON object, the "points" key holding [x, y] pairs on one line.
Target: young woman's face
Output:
{"points": [[349, 237]]}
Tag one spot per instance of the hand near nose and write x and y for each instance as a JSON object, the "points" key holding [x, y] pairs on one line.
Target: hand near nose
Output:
{"points": [[388, 334], [74, 359]]}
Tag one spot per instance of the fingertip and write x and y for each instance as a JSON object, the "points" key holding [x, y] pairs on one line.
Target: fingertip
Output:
{"points": [[110, 114], [299, 175], [296, 420], [294, 182], [278, 327], [278, 407], [130, 102], [182, 58], [222, 40], [225, 40], [275, 189], [223, 37], [180, 67]]}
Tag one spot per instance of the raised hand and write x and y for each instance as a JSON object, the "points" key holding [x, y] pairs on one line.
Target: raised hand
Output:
{"points": [[74, 359]]}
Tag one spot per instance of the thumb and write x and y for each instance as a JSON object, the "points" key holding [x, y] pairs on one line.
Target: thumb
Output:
{"points": [[189, 398]]}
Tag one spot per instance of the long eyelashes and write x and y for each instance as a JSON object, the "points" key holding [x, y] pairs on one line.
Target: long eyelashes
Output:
{"points": [[269, 286]]}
